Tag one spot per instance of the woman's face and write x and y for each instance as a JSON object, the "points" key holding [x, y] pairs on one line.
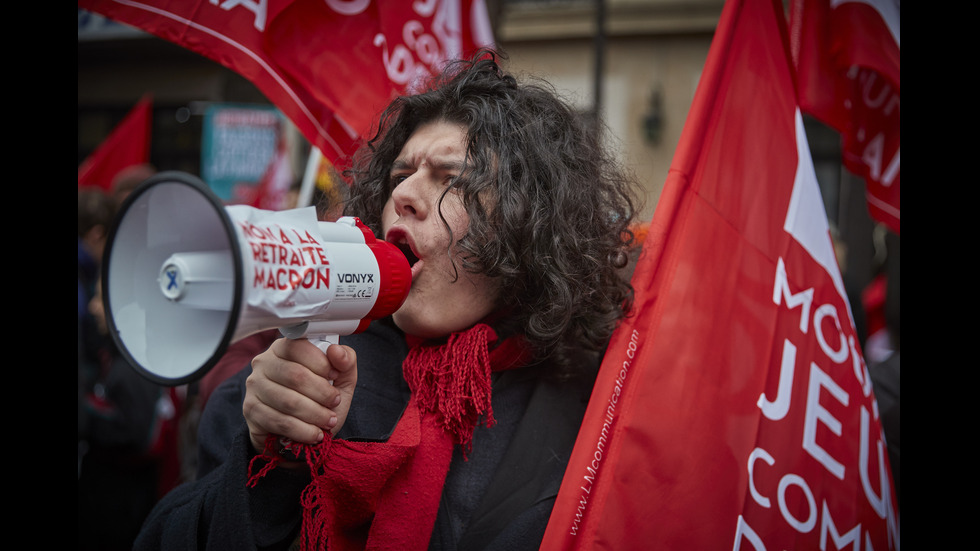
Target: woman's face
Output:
{"points": [[442, 299]]}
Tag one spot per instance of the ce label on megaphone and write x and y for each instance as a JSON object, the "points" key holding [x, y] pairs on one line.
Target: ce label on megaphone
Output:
{"points": [[185, 276]]}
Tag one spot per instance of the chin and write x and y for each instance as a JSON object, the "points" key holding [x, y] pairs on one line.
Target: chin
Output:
{"points": [[410, 325], [417, 326]]}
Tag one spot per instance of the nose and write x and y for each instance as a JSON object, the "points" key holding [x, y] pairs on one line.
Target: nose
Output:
{"points": [[407, 197]]}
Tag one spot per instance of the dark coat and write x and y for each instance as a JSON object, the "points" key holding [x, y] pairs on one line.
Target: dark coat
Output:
{"points": [[499, 497]]}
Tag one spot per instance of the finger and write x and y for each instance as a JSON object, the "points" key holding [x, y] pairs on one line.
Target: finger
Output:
{"points": [[343, 362], [298, 364], [272, 408], [337, 360], [303, 352], [263, 420], [293, 390]]}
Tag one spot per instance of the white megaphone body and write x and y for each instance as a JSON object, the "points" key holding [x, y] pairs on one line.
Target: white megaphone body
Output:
{"points": [[185, 276]]}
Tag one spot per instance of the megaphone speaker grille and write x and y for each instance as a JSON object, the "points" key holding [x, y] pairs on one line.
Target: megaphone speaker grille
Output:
{"points": [[170, 343]]}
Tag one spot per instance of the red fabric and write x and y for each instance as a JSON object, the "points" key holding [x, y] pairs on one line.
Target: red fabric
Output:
{"points": [[166, 444], [385, 496], [270, 193], [733, 410], [848, 57], [329, 65], [126, 146], [873, 299]]}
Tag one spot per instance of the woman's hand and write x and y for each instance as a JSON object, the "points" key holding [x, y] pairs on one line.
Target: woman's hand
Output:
{"points": [[290, 394]]}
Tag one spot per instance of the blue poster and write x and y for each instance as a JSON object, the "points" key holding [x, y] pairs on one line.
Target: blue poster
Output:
{"points": [[238, 144]]}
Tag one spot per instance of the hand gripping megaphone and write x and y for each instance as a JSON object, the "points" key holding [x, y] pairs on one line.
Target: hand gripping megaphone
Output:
{"points": [[185, 276]]}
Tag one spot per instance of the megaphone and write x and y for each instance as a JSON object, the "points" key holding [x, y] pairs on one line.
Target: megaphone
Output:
{"points": [[185, 276]]}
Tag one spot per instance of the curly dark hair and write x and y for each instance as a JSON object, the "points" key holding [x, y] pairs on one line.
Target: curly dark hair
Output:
{"points": [[550, 210]]}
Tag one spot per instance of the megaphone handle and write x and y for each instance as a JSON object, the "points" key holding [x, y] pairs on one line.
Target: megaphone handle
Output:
{"points": [[288, 449], [323, 341]]}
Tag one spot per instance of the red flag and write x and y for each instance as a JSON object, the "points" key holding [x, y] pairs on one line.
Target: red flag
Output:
{"points": [[734, 409], [848, 56], [127, 145], [329, 65]]}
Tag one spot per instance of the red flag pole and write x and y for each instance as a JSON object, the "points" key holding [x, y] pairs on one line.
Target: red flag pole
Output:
{"points": [[309, 177]]}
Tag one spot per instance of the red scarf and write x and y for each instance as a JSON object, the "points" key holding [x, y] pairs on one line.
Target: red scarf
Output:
{"points": [[385, 495]]}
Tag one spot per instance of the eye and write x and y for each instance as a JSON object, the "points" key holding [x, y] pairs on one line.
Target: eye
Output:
{"points": [[396, 179]]}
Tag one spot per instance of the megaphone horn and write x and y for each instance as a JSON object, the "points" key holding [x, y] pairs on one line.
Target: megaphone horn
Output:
{"points": [[185, 276]]}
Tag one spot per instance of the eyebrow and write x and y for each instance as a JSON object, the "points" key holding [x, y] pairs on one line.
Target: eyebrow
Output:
{"points": [[445, 165]]}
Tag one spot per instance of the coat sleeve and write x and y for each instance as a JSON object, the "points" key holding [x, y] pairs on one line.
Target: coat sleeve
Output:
{"points": [[219, 510]]}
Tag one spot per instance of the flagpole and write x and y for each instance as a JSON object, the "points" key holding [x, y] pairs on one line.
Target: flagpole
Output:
{"points": [[309, 178]]}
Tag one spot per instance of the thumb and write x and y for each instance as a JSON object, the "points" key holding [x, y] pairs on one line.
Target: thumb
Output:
{"points": [[343, 362]]}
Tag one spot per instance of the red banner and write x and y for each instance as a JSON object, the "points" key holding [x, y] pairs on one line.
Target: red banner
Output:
{"points": [[734, 410], [330, 65], [848, 56], [128, 144]]}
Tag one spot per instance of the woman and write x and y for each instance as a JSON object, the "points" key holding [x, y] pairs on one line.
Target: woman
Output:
{"points": [[449, 425]]}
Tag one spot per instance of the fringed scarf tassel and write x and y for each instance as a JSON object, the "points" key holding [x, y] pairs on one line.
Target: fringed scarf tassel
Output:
{"points": [[453, 380]]}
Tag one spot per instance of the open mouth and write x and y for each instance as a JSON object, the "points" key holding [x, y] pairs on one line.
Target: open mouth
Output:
{"points": [[407, 251], [399, 238]]}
